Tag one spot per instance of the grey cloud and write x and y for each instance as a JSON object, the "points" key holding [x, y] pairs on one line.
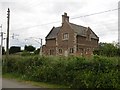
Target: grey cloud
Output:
{"points": [[27, 13], [60, 7]]}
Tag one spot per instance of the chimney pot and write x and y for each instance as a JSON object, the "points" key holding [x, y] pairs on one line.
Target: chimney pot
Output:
{"points": [[65, 13], [65, 18]]}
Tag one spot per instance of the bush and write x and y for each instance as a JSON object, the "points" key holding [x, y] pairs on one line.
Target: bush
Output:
{"points": [[37, 51], [26, 53], [75, 72], [14, 49]]}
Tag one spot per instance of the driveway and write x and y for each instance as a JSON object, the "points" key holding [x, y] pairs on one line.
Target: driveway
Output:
{"points": [[10, 83]]}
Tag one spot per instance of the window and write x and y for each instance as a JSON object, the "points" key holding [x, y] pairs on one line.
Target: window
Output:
{"points": [[60, 51], [51, 52], [71, 50], [65, 36]]}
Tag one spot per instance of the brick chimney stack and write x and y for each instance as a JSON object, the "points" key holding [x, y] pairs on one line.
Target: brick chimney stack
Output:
{"points": [[65, 18]]}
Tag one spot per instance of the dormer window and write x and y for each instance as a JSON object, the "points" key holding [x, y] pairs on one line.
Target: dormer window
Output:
{"points": [[65, 36]]}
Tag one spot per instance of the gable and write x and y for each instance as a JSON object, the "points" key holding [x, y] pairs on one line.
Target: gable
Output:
{"points": [[93, 35]]}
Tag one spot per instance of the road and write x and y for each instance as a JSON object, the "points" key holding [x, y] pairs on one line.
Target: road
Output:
{"points": [[9, 83]]}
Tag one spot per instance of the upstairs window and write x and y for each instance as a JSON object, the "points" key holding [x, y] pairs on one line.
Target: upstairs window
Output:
{"points": [[65, 36]]}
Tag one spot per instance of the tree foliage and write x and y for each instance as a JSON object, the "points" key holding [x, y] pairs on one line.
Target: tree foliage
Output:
{"points": [[14, 49], [37, 51], [29, 48], [107, 49]]}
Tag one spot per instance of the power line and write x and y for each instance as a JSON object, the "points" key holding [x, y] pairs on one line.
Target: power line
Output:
{"points": [[37, 25], [96, 13], [71, 18]]}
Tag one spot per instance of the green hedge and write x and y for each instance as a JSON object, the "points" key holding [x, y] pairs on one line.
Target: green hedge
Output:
{"points": [[75, 72]]}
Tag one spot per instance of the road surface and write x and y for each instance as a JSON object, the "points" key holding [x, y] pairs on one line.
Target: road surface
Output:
{"points": [[9, 83]]}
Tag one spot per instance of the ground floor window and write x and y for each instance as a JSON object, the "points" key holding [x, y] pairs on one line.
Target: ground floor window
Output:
{"points": [[60, 51], [51, 52], [71, 50]]}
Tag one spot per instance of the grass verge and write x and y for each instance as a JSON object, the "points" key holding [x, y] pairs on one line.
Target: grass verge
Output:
{"points": [[33, 83]]}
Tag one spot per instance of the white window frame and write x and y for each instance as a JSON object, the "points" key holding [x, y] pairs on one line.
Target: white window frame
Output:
{"points": [[65, 36]]}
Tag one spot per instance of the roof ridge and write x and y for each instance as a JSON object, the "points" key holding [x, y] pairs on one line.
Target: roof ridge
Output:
{"points": [[58, 27], [78, 25]]}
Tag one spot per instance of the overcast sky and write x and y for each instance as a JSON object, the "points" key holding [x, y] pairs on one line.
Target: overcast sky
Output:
{"points": [[35, 18]]}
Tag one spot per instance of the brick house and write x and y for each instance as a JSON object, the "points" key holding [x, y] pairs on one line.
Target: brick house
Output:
{"points": [[70, 39]]}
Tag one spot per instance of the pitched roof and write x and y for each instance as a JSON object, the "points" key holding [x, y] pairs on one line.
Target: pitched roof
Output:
{"points": [[80, 30], [53, 33]]}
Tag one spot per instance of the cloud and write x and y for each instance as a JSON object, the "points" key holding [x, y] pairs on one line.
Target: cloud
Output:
{"points": [[27, 17], [60, 7]]}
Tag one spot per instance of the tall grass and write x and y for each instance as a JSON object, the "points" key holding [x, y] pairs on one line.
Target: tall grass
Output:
{"points": [[75, 72]]}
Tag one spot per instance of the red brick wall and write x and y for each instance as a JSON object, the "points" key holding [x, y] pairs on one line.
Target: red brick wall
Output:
{"points": [[65, 44], [51, 42], [50, 48], [80, 44], [86, 47]]}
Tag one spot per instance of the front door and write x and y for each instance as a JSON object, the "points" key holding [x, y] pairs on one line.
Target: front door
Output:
{"points": [[66, 53]]}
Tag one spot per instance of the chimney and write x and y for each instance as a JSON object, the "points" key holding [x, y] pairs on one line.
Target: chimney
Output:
{"points": [[65, 18]]}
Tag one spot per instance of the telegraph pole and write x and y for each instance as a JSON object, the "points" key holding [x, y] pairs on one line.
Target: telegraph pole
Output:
{"points": [[7, 41], [41, 48], [1, 44]]}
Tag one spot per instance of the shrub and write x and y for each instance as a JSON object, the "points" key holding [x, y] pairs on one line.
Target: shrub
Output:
{"points": [[26, 53], [76, 72]]}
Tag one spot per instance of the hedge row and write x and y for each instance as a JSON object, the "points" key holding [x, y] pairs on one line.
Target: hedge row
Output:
{"points": [[75, 72]]}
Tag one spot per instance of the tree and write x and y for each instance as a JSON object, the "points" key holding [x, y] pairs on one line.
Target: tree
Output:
{"points": [[14, 49], [118, 51], [107, 49], [29, 48], [37, 51]]}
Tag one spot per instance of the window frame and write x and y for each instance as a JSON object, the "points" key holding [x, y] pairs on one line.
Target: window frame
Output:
{"points": [[65, 36], [71, 50], [60, 51], [51, 51]]}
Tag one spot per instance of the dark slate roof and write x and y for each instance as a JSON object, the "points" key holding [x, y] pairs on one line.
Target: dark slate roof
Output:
{"points": [[80, 30], [53, 33]]}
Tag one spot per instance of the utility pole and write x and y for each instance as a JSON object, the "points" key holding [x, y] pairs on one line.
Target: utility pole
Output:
{"points": [[1, 54], [41, 48], [7, 41], [1, 43]]}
